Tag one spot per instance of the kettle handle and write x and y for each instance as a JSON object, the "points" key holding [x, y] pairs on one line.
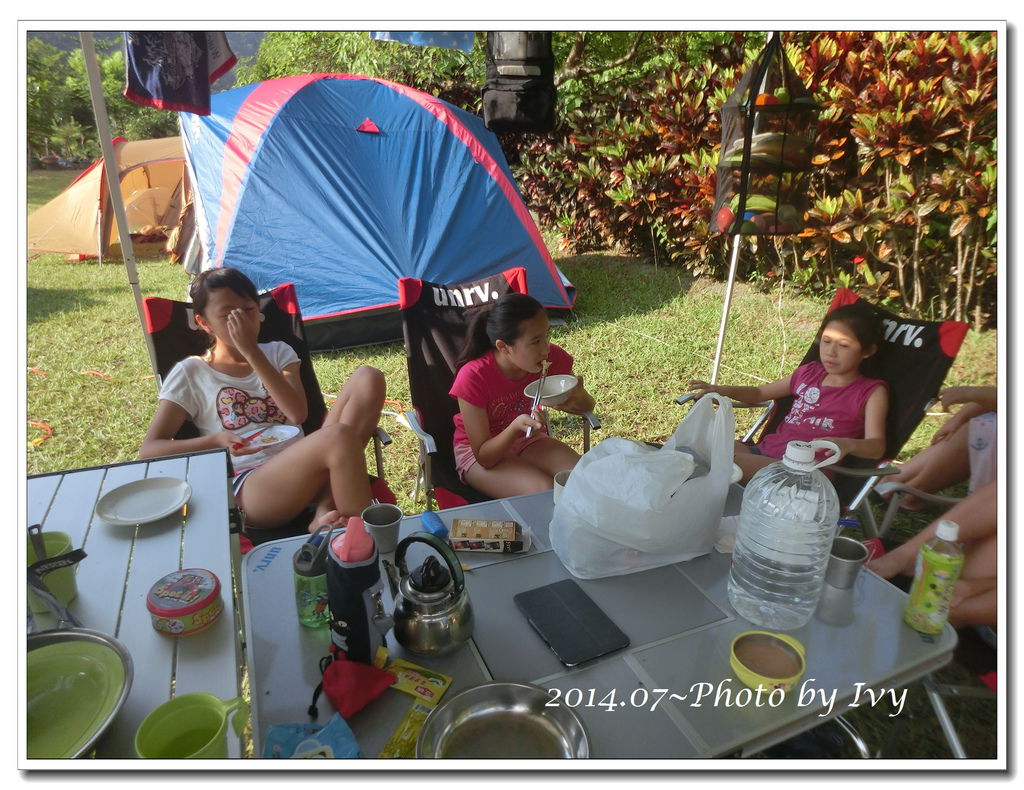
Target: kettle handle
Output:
{"points": [[442, 548]]}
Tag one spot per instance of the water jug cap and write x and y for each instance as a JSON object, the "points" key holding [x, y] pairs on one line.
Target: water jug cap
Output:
{"points": [[947, 530], [800, 455]]}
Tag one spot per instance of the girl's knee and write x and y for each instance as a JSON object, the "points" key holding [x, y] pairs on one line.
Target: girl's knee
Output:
{"points": [[339, 437], [370, 379]]}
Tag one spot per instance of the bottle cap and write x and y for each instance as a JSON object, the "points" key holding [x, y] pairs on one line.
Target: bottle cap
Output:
{"points": [[799, 455], [947, 530]]}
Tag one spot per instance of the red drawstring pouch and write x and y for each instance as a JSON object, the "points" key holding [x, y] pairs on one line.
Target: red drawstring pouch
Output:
{"points": [[349, 685]]}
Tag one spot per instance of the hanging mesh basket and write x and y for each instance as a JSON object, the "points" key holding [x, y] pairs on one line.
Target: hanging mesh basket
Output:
{"points": [[767, 137]]}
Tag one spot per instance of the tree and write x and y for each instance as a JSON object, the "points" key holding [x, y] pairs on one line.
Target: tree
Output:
{"points": [[46, 98], [59, 105], [451, 74]]}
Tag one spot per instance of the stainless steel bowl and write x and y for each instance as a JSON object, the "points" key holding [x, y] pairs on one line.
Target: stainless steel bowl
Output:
{"points": [[503, 720]]}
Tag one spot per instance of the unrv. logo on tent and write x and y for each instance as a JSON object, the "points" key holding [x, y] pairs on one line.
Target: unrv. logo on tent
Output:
{"points": [[464, 297]]}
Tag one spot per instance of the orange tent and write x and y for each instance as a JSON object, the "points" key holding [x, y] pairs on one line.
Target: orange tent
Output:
{"points": [[80, 219]]}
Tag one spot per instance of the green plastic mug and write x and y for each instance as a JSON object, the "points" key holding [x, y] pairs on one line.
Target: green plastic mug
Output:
{"points": [[61, 581], [190, 726]]}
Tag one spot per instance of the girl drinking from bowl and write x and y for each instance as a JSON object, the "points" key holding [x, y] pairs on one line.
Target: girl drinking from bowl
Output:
{"points": [[833, 400], [240, 386], [505, 347]]}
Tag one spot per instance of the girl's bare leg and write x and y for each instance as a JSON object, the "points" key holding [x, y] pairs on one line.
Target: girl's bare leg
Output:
{"points": [[976, 515], [329, 459], [748, 462], [509, 477], [550, 456], [936, 467], [358, 405], [359, 402]]}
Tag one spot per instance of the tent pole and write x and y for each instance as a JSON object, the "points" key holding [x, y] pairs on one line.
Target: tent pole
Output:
{"points": [[99, 109], [725, 307]]}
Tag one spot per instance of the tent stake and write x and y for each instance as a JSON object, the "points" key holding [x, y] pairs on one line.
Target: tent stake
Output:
{"points": [[99, 109], [725, 307]]}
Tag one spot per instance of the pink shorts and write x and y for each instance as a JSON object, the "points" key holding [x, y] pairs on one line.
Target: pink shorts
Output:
{"points": [[464, 457]]}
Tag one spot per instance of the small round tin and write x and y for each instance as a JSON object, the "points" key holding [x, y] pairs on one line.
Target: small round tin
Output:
{"points": [[185, 601]]}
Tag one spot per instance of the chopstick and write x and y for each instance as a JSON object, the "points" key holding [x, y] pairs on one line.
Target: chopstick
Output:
{"points": [[540, 392]]}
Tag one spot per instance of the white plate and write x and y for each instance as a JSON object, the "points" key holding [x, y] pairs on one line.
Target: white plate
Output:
{"points": [[272, 436], [143, 501]]}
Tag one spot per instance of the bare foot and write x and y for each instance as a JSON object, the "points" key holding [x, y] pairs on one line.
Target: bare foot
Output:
{"points": [[331, 518]]}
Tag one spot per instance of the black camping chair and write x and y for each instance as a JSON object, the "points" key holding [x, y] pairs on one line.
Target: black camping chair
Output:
{"points": [[435, 318], [175, 335], [914, 359]]}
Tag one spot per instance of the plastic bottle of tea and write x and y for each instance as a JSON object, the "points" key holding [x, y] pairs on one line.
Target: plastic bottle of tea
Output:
{"points": [[938, 567]]}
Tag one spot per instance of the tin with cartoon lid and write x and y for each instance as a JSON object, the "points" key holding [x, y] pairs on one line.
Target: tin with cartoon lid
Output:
{"points": [[185, 602]]}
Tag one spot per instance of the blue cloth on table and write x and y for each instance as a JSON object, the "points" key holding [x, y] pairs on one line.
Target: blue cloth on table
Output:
{"points": [[312, 741]]}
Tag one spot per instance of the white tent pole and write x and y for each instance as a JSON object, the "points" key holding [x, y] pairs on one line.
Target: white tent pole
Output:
{"points": [[725, 307], [99, 109]]}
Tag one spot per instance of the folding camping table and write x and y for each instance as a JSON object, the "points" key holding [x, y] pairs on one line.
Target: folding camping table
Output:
{"points": [[680, 626], [123, 562]]}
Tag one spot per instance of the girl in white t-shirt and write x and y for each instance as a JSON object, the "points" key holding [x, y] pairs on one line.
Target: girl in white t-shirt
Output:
{"points": [[240, 386]]}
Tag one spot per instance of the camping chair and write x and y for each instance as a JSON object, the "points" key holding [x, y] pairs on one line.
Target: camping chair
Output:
{"points": [[914, 359], [435, 318], [175, 335]]}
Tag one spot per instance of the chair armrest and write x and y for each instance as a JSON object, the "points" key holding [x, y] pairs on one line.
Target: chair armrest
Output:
{"points": [[736, 404], [935, 499], [591, 419], [878, 471], [411, 421], [382, 437]]}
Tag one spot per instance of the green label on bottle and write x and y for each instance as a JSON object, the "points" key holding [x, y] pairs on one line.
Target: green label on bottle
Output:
{"points": [[934, 577]]}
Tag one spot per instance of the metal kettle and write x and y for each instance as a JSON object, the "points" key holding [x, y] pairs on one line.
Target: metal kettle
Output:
{"points": [[432, 611]]}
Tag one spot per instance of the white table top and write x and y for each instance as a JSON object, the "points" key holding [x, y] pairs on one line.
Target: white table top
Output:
{"points": [[680, 626], [121, 565]]}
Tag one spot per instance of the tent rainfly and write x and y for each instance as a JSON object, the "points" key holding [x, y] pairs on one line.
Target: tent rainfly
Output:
{"points": [[80, 219], [342, 184]]}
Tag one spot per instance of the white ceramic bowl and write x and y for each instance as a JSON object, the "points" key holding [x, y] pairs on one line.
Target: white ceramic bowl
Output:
{"points": [[556, 389]]}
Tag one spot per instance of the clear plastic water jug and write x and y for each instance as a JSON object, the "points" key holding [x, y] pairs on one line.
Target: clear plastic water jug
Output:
{"points": [[787, 524]]}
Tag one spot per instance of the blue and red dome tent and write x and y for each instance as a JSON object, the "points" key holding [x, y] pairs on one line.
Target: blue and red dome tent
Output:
{"points": [[343, 184]]}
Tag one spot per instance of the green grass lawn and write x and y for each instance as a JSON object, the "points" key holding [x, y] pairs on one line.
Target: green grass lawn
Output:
{"points": [[639, 333]]}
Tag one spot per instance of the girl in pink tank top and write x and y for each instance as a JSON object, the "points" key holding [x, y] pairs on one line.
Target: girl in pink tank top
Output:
{"points": [[832, 400]]}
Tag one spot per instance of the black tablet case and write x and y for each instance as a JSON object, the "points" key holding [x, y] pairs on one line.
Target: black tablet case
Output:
{"points": [[569, 621]]}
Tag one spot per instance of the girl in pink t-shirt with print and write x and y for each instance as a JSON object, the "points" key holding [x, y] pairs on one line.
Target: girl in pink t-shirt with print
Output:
{"points": [[504, 349], [833, 399]]}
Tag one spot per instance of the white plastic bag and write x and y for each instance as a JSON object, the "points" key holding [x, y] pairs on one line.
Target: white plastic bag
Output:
{"points": [[628, 507]]}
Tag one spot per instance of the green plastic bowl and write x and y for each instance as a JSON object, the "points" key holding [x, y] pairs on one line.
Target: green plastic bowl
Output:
{"points": [[77, 681]]}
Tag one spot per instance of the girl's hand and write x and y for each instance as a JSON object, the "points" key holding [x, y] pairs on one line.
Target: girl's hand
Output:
{"points": [[244, 329], [953, 395], [524, 421], [233, 442], [842, 444], [702, 388], [947, 429], [579, 400]]}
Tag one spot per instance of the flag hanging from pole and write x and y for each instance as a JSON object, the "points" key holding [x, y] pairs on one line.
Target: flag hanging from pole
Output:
{"points": [[174, 71]]}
